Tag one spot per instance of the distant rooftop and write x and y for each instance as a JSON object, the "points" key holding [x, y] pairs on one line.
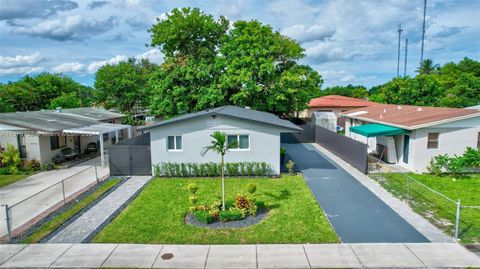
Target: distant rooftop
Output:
{"points": [[53, 121], [410, 117], [339, 101], [233, 112]]}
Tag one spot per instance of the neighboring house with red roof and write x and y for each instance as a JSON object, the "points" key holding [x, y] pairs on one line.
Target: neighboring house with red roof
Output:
{"points": [[336, 104], [412, 135]]}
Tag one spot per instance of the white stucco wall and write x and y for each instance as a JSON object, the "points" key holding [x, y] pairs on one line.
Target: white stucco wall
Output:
{"points": [[32, 145], [264, 141]]}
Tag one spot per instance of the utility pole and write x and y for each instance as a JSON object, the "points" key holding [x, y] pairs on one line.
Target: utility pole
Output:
{"points": [[423, 31], [399, 39], [405, 65]]}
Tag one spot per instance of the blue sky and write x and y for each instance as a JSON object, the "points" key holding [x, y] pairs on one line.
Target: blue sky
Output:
{"points": [[347, 41]]}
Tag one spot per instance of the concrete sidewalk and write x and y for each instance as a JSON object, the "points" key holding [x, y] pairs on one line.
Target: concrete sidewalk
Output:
{"points": [[413, 255]]}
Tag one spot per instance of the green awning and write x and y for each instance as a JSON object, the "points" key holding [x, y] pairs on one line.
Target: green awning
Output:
{"points": [[375, 129]]}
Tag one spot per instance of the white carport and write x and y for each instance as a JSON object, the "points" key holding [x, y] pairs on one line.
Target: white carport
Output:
{"points": [[99, 129]]}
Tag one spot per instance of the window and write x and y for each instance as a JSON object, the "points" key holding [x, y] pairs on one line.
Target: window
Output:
{"points": [[174, 143], [432, 141], [105, 136], [57, 142], [243, 141]]}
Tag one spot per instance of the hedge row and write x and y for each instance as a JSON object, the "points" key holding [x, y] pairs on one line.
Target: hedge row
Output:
{"points": [[211, 169]]}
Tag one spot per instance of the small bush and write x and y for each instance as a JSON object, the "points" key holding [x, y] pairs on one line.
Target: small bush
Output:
{"points": [[251, 188], [241, 201], [193, 188], [211, 169], [260, 205], [283, 151], [203, 216], [290, 167], [231, 215], [31, 165]]}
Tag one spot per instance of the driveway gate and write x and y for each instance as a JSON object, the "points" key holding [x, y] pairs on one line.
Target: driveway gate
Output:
{"points": [[131, 157]]}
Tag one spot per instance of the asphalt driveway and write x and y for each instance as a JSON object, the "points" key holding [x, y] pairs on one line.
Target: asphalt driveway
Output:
{"points": [[357, 215]]}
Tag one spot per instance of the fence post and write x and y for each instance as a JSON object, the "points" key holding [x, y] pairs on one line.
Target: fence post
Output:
{"points": [[96, 174], [7, 221], [457, 219], [408, 190], [63, 190]]}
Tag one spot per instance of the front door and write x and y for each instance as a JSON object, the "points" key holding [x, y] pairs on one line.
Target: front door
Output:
{"points": [[76, 144], [406, 147]]}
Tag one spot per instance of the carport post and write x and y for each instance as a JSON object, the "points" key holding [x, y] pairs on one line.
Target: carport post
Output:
{"points": [[129, 131], [96, 174], [116, 136], [7, 220], [102, 155]]}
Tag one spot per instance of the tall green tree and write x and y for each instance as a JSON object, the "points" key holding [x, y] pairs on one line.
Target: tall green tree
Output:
{"points": [[38, 92], [355, 91], [123, 86], [220, 146]]}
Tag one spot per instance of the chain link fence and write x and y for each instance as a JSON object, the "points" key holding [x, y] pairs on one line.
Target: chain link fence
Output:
{"points": [[459, 220], [21, 213]]}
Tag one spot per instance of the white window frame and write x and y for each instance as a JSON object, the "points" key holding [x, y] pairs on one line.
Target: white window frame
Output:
{"points": [[174, 143], [238, 142]]}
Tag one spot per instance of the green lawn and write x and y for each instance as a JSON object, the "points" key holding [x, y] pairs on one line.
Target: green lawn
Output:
{"points": [[157, 214], [438, 210], [54, 223], [9, 179]]}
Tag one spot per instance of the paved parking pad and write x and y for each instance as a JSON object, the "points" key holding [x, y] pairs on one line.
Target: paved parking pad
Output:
{"points": [[357, 214]]}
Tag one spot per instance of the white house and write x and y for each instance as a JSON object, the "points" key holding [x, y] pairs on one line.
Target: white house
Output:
{"points": [[182, 139], [41, 135], [412, 135]]}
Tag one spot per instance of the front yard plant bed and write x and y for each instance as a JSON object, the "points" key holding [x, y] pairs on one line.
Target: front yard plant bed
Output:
{"points": [[54, 221], [436, 209], [218, 224], [157, 215]]}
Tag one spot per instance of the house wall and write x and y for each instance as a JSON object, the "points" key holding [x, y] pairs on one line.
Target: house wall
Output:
{"points": [[264, 141], [32, 145], [454, 138]]}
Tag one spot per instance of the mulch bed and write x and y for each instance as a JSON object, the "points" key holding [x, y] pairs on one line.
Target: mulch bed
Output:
{"points": [[217, 224]]}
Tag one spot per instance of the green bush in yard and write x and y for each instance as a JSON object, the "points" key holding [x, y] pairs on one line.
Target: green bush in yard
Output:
{"points": [[231, 215], [203, 216], [211, 169]]}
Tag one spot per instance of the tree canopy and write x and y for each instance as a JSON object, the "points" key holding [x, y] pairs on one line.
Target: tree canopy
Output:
{"points": [[349, 91], [43, 91], [208, 64], [451, 85]]}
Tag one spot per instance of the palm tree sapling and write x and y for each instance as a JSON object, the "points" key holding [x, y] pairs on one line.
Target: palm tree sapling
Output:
{"points": [[220, 146]]}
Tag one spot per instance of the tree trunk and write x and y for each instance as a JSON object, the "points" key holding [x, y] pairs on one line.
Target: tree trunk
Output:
{"points": [[223, 186]]}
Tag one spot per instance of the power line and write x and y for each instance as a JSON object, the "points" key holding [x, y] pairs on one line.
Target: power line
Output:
{"points": [[423, 31], [399, 38]]}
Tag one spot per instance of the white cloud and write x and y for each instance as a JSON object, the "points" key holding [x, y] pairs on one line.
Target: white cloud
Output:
{"points": [[74, 27], [93, 67], [302, 33], [329, 52], [337, 76], [69, 68], [20, 70], [153, 55], [20, 60]]}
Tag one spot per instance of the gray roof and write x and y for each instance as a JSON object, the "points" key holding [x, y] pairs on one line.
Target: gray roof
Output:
{"points": [[233, 112], [473, 107], [52, 121]]}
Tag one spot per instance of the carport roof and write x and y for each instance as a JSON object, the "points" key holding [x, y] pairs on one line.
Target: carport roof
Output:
{"points": [[375, 129], [233, 112], [95, 129]]}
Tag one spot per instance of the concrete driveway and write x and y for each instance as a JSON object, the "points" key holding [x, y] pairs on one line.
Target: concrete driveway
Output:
{"points": [[357, 215], [78, 177]]}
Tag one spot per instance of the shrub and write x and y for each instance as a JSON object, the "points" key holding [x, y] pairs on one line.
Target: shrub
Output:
{"points": [[231, 215], [251, 188], [290, 167], [203, 216], [260, 205], [10, 156], [31, 165], [157, 170], [241, 201], [252, 210], [184, 170], [283, 151], [457, 164], [193, 188], [193, 199], [250, 166], [211, 169]]}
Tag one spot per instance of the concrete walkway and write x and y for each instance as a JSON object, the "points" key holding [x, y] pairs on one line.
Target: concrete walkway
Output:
{"points": [[91, 221], [445, 255], [79, 177], [357, 215], [431, 232]]}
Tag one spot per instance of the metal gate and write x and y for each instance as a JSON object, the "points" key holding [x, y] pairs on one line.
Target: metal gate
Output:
{"points": [[131, 157]]}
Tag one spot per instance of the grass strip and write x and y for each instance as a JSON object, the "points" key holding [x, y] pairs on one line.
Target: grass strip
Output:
{"points": [[56, 222], [9, 179]]}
